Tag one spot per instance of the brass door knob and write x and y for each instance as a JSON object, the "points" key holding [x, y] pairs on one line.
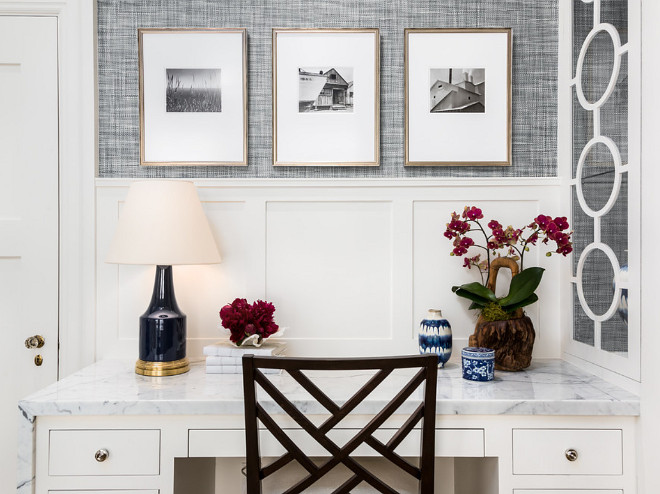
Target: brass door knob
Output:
{"points": [[101, 455], [571, 454], [36, 341]]}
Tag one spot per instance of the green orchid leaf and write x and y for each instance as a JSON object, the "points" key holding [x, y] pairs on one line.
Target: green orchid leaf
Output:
{"points": [[475, 305], [522, 287], [529, 300], [476, 289], [480, 302]]}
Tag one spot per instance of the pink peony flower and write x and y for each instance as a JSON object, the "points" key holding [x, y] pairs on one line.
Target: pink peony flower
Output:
{"points": [[236, 317], [243, 319], [262, 318]]}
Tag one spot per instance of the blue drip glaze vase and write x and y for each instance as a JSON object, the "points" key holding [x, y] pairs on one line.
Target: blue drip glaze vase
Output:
{"points": [[435, 336]]}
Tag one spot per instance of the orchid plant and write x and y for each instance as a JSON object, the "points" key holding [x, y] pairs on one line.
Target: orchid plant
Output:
{"points": [[514, 242]]}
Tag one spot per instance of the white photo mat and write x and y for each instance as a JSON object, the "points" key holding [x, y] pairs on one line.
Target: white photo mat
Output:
{"points": [[332, 137], [217, 137], [454, 137]]}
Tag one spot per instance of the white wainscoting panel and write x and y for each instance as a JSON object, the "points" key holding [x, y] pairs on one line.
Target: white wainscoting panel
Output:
{"points": [[434, 267], [329, 269], [352, 266]]}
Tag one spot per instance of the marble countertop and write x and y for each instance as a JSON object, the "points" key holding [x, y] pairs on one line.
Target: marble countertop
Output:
{"points": [[111, 387]]}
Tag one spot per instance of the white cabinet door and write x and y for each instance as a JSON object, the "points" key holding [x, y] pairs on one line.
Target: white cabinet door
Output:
{"points": [[28, 218]]}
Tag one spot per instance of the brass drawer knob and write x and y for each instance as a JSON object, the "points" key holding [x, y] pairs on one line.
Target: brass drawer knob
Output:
{"points": [[571, 454], [101, 455]]}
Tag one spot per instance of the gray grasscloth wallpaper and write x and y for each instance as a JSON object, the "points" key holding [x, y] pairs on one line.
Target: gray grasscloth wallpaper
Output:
{"points": [[534, 27]]}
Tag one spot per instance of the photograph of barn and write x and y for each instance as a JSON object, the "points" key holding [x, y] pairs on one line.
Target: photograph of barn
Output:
{"points": [[323, 89], [457, 90]]}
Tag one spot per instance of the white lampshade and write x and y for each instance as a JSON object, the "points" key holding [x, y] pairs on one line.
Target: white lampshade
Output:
{"points": [[163, 223]]}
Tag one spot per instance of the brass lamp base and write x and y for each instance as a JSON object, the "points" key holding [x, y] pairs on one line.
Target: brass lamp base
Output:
{"points": [[155, 369]]}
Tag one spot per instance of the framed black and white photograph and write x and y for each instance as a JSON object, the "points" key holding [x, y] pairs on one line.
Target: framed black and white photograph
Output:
{"points": [[326, 97], [193, 96], [457, 90], [458, 97], [193, 90], [325, 89]]}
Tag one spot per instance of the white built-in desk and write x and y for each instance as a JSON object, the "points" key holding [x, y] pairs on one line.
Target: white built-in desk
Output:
{"points": [[510, 434]]}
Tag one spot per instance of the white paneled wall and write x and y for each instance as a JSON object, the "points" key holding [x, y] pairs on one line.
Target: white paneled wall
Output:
{"points": [[335, 260], [352, 266]]}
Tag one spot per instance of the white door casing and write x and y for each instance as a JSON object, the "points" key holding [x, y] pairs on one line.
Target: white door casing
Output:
{"points": [[28, 217]]}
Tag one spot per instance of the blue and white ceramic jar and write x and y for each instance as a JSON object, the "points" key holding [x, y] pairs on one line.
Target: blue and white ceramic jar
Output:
{"points": [[435, 336], [478, 364]]}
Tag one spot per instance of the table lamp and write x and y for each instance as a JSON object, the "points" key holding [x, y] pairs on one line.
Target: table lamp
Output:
{"points": [[163, 223]]}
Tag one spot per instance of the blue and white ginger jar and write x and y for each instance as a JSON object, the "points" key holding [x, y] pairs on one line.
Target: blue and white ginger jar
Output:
{"points": [[478, 364], [435, 336]]}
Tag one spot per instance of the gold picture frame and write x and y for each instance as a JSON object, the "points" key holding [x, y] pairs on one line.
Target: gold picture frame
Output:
{"points": [[506, 92], [368, 120], [239, 110]]}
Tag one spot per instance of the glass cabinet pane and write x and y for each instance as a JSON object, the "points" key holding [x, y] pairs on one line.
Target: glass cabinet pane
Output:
{"points": [[600, 187]]}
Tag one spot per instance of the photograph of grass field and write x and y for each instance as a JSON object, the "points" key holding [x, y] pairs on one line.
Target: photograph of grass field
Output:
{"points": [[193, 90]]}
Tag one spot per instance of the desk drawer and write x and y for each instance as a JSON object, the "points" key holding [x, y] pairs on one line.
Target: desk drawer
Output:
{"points": [[130, 452], [110, 492], [231, 443], [563, 491], [543, 452]]}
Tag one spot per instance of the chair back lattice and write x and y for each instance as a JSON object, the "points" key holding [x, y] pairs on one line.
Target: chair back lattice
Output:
{"points": [[384, 366]]}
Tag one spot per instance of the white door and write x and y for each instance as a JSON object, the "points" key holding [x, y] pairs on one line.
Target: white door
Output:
{"points": [[28, 219]]}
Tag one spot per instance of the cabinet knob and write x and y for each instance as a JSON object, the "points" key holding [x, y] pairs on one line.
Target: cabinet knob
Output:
{"points": [[36, 341], [571, 454], [101, 455]]}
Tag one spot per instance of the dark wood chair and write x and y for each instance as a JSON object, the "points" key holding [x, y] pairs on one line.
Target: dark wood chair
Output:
{"points": [[384, 366]]}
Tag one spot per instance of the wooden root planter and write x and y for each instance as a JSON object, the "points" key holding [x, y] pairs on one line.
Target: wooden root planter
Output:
{"points": [[512, 339]]}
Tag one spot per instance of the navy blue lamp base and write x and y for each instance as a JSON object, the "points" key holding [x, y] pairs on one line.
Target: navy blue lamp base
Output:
{"points": [[162, 331]]}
